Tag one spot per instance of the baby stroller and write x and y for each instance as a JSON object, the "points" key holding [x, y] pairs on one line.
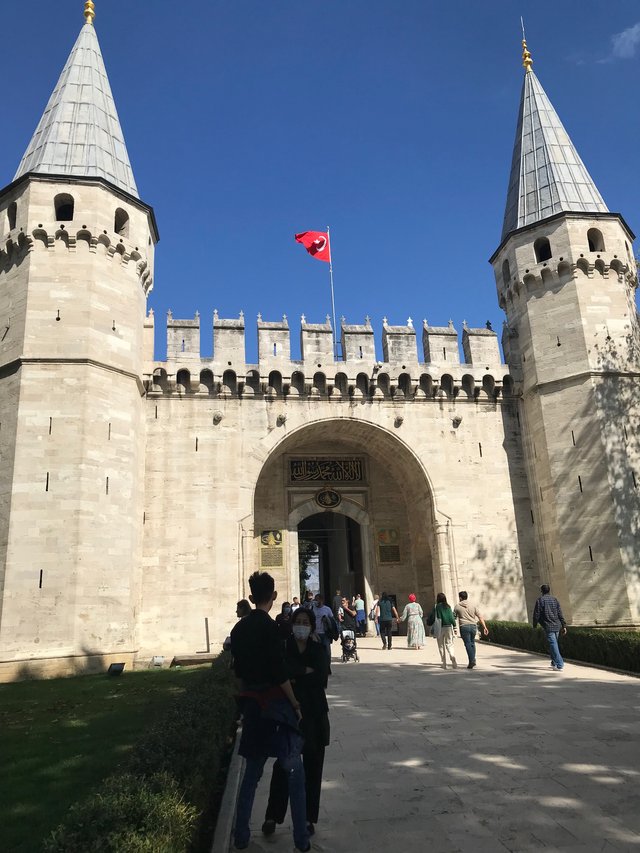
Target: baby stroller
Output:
{"points": [[349, 646]]}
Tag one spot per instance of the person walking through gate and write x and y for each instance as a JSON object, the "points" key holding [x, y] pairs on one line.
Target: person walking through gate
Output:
{"points": [[468, 618], [447, 618], [361, 616], [548, 614], [412, 614], [385, 613]]}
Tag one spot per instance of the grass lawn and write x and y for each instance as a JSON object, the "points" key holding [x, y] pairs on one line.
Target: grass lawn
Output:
{"points": [[60, 738]]}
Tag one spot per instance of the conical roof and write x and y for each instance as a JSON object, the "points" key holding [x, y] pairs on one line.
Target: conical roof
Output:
{"points": [[547, 174], [79, 133]]}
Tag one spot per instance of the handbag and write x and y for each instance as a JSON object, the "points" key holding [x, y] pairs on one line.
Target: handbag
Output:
{"points": [[435, 623]]}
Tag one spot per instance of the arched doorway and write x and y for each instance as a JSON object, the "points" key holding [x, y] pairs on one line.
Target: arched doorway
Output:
{"points": [[343, 469], [338, 540]]}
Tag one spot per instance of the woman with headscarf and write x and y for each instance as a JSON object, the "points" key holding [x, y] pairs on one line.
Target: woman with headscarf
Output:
{"points": [[412, 615]]}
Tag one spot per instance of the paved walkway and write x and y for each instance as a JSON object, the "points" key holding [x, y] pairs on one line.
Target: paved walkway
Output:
{"points": [[509, 756]]}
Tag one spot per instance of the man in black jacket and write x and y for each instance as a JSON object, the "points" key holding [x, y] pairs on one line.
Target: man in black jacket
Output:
{"points": [[548, 614], [269, 707]]}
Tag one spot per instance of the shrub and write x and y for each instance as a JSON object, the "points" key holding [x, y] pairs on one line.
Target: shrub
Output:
{"points": [[128, 814], [161, 799], [604, 647]]}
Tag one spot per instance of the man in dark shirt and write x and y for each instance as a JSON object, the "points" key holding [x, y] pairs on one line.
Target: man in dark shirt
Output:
{"points": [[266, 693], [347, 617], [548, 614]]}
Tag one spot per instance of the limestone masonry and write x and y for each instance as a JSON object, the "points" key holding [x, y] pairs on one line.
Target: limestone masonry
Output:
{"points": [[137, 496]]}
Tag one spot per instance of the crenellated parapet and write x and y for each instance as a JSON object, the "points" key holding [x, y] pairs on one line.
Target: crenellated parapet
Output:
{"points": [[355, 374]]}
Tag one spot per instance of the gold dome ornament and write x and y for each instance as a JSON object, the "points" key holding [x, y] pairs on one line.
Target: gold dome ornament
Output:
{"points": [[527, 62], [89, 11]]}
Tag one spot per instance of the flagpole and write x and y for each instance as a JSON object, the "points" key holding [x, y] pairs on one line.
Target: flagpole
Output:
{"points": [[333, 302]]}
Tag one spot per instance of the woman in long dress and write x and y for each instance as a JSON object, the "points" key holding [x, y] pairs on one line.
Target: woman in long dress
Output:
{"points": [[412, 615]]}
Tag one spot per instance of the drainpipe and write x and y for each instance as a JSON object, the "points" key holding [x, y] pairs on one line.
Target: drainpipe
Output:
{"points": [[447, 548]]}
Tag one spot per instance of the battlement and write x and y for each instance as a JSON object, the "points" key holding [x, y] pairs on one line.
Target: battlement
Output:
{"points": [[356, 372]]}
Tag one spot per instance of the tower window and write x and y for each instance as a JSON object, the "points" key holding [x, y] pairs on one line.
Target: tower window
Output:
{"points": [[595, 240], [64, 207], [506, 273], [12, 212], [542, 249], [121, 223]]}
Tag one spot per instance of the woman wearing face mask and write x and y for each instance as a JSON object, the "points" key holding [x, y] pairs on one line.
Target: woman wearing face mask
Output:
{"points": [[283, 621], [308, 670]]}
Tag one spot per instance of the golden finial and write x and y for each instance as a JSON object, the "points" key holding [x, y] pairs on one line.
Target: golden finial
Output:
{"points": [[89, 11], [527, 62]]}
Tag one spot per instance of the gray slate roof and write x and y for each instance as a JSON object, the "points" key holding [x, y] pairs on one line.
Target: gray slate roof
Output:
{"points": [[79, 133], [547, 174]]}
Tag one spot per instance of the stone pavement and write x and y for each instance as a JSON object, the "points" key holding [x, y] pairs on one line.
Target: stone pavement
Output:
{"points": [[510, 756]]}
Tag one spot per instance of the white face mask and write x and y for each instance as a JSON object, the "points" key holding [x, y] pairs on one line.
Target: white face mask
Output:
{"points": [[301, 632]]}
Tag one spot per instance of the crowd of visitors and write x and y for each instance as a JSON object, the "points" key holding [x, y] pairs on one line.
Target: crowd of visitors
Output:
{"points": [[283, 665]]}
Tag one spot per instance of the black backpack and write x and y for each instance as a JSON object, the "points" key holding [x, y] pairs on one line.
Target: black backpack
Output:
{"points": [[330, 627]]}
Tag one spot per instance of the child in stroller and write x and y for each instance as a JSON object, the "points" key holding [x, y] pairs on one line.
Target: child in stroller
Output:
{"points": [[349, 645]]}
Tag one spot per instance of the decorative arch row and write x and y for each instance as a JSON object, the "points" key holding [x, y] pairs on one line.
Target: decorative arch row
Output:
{"points": [[14, 250], [338, 387], [563, 272]]}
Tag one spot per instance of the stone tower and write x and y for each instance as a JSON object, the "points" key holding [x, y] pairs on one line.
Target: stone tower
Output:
{"points": [[76, 261], [566, 278]]}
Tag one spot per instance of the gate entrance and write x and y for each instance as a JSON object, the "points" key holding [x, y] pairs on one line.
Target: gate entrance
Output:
{"points": [[362, 497], [339, 560]]}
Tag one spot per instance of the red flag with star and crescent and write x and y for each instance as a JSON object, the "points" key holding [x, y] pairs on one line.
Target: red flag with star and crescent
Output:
{"points": [[316, 243]]}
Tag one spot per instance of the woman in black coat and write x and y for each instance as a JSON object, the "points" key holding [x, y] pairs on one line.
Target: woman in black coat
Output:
{"points": [[308, 669]]}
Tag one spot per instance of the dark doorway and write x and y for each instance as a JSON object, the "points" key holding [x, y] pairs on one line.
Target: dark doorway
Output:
{"points": [[339, 563]]}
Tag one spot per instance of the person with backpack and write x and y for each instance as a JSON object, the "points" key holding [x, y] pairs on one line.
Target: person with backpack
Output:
{"points": [[443, 621], [385, 614], [326, 625]]}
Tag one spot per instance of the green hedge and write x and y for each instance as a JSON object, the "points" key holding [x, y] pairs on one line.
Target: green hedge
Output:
{"points": [[604, 647], [163, 798]]}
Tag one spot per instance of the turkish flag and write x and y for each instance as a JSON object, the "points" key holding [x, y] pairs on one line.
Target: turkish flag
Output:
{"points": [[316, 243]]}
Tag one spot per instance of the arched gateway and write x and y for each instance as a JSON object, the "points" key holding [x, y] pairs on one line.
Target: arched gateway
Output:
{"points": [[364, 498]]}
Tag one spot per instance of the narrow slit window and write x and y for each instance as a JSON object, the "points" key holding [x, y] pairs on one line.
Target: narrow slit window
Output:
{"points": [[635, 482], [109, 434], [50, 425], [12, 213], [196, 445], [144, 517], [46, 485], [106, 486], [156, 413], [580, 482], [532, 518], [121, 223], [480, 448], [590, 554], [573, 438], [444, 353], [40, 580]]}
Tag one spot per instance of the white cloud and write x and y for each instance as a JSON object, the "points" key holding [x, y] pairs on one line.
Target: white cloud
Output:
{"points": [[625, 44]]}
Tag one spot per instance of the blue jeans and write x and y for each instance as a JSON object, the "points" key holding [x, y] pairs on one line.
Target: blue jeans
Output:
{"points": [[297, 800], [554, 651], [468, 634]]}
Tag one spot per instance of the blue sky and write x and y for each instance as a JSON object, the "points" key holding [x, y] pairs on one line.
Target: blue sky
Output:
{"points": [[391, 121]]}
